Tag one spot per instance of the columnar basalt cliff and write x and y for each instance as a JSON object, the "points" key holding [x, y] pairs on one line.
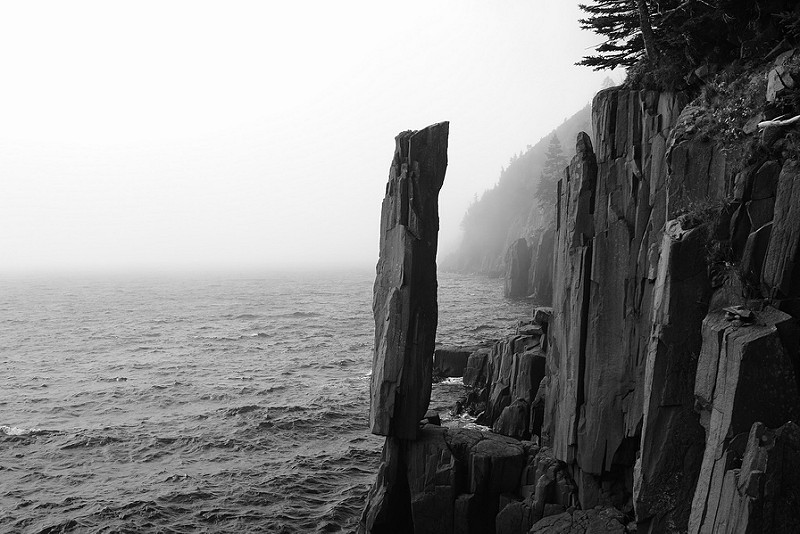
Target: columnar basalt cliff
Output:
{"points": [[611, 214], [661, 391], [665, 352]]}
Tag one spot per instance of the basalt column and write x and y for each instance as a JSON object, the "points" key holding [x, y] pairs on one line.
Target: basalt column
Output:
{"points": [[404, 302]]}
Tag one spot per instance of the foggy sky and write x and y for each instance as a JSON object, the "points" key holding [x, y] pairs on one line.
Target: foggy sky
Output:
{"points": [[193, 135]]}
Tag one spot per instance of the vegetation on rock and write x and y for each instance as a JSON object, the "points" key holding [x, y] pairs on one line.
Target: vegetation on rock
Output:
{"points": [[670, 43]]}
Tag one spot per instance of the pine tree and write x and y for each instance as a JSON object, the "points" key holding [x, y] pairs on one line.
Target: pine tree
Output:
{"points": [[617, 21], [682, 33], [547, 187]]}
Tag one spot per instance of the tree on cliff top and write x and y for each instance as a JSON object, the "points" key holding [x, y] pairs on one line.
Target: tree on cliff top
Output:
{"points": [[618, 22], [665, 37], [552, 172]]}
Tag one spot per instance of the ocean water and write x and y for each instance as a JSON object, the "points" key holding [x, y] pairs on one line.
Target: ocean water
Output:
{"points": [[200, 404]]}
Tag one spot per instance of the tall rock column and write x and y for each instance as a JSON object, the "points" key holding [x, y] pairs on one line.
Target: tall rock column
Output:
{"points": [[404, 302], [406, 316], [572, 272]]}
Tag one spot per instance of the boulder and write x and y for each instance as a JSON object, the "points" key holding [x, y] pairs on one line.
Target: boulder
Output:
{"points": [[495, 467], [451, 361], [542, 315], [780, 78], [513, 420], [476, 372], [529, 330], [432, 418], [404, 302]]}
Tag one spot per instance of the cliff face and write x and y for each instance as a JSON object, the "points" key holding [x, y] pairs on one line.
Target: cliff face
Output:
{"points": [[653, 387], [612, 210], [659, 393]]}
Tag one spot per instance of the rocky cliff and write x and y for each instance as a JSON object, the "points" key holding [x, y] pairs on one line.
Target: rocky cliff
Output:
{"points": [[660, 393], [655, 377], [670, 322]]}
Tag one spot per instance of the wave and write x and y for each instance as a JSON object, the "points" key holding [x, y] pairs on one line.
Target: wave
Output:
{"points": [[165, 386], [300, 314], [271, 389], [218, 338], [233, 338], [80, 442], [242, 410], [16, 431]]}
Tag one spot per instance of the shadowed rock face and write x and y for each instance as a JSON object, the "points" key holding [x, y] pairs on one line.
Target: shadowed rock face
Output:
{"points": [[404, 302], [758, 496], [671, 433], [540, 283], [518, 262], [744, 376], [614, 203]]}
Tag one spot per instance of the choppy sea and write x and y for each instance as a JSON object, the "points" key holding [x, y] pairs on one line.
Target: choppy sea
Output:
{"points": [[200, 404]]}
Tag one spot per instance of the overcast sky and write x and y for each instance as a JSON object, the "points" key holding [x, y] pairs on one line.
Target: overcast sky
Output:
{"points": [[172, 135]]}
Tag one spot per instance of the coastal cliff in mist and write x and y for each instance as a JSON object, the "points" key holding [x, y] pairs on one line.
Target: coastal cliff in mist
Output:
{"points": [[661, 391], [510, 210]]}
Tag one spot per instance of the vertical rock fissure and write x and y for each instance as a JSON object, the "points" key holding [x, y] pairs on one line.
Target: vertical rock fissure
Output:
{"points": [[584, 332]]}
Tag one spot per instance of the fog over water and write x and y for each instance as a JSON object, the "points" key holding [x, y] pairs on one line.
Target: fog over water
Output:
{"points": [[216, 135]]}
